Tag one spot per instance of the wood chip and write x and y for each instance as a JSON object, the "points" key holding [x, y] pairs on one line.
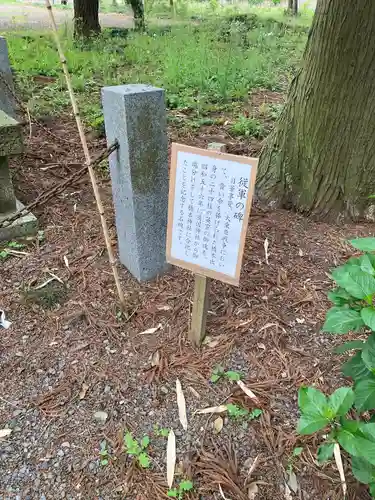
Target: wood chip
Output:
{"points": [[82, 392], [5, 432], [181, 405], [338, 460], [218, 424], [211, 409], [252, 491], [171, 457], [247, 391], [194, 392], [222, 493], [151, 330]]}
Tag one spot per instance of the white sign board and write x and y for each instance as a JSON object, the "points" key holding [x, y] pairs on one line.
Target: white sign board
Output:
{"points": [[209, 205]]}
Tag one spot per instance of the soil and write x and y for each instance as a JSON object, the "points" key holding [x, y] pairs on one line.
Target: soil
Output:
{"points": [[70, 353]]}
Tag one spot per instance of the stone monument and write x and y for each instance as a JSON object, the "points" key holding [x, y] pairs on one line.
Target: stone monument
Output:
{"points": [[7, 101], [10, 144], [135, 115]]}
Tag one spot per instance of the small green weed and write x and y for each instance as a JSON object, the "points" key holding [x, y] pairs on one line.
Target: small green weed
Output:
{"points": [[248, 127], [103, 453], [161, 431], [181, 489], [295, 453], [219, 373], [137, 449], [236, 412], [4, 254]]}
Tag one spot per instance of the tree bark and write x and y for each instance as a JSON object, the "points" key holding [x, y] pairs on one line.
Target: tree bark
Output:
{"points": [[139, 15], [86, 18], [320, 157]]}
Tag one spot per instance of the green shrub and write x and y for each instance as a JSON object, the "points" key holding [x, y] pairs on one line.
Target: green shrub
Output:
{"points": [[345, 412]]}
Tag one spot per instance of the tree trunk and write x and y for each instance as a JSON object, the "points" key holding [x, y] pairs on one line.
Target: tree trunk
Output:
{"points": [[139, 15], [295, 7], [320, 157], [86, 18]]}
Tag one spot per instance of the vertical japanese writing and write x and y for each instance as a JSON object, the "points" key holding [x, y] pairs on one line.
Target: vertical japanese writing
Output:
{"points": [[243, 186]]}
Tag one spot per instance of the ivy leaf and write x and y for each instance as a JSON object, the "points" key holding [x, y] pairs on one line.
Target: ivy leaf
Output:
{"points": [[231, 375], [355, 281], [356, 445], [144, 460], [341, 401], [355, 368], [365, 394], [313, 402], [349, 346], [297, 451], [368, 316], [173, 493], [186, 485], [368, 353], [325, 452], [215, 378], [342, 320], [364, 244], [145, 442], [362, 470], [308, 424], [339, 296]]}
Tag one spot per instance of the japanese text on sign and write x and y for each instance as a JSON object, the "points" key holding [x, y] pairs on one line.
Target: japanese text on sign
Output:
{"points": [[209, 208]]}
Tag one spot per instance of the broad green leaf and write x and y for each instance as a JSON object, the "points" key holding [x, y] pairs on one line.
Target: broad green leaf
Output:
{"points": [[364, 244], [341, 401], [144, 460], [215, 378], [355, 368], [342, 320], [145, 442], [173, 493], [312, 401], [371, 488], [356, 446], [368, 353], [368, 316], [355, 281], [132, 447], [325, 452], [349, 346], [339, 296], [104, 462], [231, 375], [255, 413], [365, 394], [362, 470], [308, 424], [366, 264], [368, 430]]}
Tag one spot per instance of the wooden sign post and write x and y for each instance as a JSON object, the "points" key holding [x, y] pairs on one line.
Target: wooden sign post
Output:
{"points": [[210, 196]]}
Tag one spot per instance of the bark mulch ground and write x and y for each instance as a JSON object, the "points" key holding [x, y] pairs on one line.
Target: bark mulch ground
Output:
{"points": [[70, 353]]}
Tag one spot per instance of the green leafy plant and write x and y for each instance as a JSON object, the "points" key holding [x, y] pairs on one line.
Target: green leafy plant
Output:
{"points": [[4, 254], [137, 449], [342, 413], [237, 412], [161, 431], [247, 127], [103, 453], [219, 373], [181, 489]]}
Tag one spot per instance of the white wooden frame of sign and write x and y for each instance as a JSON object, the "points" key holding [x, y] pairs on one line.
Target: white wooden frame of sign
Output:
{"points": [[224, 162]]}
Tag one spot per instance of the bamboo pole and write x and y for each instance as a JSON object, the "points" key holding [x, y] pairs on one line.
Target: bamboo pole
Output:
{"points": [[82, 136]]}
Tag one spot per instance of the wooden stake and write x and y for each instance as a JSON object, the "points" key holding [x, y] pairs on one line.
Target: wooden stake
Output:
{"points": [[82, 136], [202, 290]]}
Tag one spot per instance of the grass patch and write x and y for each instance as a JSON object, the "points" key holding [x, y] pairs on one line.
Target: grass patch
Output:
{"points": [[200, 66]]}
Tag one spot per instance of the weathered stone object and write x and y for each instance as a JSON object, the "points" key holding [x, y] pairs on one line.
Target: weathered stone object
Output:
{"points": [[135, 115]]}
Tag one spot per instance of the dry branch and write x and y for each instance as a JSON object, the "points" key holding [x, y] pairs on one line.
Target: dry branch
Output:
{"points": [[95, 188]]}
